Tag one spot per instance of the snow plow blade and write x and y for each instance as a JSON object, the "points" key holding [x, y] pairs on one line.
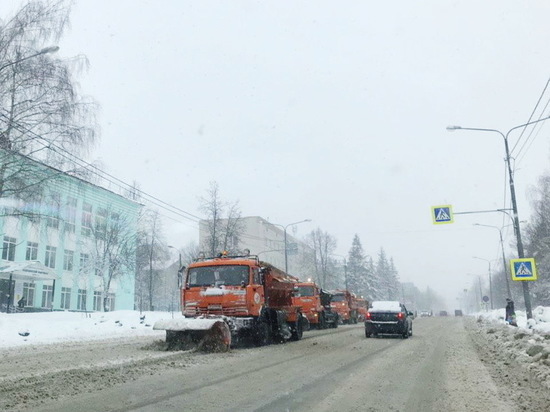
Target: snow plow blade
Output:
{"points": [[208, 335]]}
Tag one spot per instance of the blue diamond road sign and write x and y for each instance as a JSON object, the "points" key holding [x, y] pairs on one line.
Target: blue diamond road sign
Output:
{"points": [[523, 269], [442, 214]]}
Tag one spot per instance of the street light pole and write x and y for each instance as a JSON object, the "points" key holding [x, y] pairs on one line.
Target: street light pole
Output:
{"points": [[180, 277], [45, 50], [508, 290], [490, 279], [345, 265], [285, 238], [519, 242]]}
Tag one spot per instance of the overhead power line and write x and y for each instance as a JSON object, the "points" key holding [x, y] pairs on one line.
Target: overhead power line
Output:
{"points": [[47, 144], [530, 118], [104, 175]]}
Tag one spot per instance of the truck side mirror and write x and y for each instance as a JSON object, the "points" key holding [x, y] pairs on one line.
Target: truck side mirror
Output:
{"points": [[263, 271], [180, 276]]}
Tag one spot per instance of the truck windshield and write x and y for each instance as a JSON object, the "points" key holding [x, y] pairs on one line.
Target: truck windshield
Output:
{"points": [[230, 275], [305, 290], [338, 298]]}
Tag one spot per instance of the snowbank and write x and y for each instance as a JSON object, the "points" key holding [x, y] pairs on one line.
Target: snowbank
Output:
{"points": [[19, 329], [540, 322], [528, 344]]}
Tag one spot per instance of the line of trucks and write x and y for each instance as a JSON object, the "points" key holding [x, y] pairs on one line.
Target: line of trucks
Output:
{"points": [[227, 299]]}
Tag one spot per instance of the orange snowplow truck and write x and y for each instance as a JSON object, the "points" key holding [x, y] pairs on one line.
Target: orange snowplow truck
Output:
{"points": [[315, 305], [362, 308], [227, 298], [343, 303]]}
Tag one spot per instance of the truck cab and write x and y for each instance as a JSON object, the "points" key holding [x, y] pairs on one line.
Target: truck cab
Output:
{"points": [[342, 303], [252, 298]]}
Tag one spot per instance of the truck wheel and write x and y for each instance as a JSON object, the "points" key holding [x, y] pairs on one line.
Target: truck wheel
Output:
{"points": [[262, 334], [297, 330], [367, 333]]}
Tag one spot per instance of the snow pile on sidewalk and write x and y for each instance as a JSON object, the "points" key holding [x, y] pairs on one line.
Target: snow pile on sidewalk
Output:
{"points": [[18, 329], [528, 344], [540, 322]]}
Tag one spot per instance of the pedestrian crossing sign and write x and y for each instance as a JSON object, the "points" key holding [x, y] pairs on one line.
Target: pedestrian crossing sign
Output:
{"points": [[442, 214], [523, 269]]}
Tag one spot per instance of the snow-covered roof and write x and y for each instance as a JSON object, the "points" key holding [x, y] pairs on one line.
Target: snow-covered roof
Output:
{"points": [[28, 270]]}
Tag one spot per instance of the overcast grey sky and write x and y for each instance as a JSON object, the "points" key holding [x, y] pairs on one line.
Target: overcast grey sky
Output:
{"points": [[333, 111]]}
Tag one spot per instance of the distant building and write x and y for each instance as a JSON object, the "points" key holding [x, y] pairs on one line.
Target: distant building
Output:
{"points": [[268, 241], [72, 229]]}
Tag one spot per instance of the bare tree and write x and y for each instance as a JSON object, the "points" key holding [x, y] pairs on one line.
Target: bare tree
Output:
{"points": [[152, 252], [22, 185], [38, 99], [112, 247], [222, 233], [538, 239], [41, 114], [189, 253], [323, 245]]}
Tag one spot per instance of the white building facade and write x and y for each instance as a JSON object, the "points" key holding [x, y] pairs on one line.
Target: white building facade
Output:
{"points": [[267, 240]]}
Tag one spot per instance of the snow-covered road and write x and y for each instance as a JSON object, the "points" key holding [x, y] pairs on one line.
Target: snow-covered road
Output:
{"points": [[452, 364]]}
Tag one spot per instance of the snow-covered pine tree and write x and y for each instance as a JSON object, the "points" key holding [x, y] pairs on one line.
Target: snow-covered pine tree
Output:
{"points": [[394, 285], [357, 268], [383, 277]]}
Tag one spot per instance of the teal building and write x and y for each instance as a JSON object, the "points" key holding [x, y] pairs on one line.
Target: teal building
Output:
{"points": [[81, 236]]}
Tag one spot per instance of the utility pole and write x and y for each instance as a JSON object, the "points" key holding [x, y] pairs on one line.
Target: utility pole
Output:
{"points": [[519, 242]]}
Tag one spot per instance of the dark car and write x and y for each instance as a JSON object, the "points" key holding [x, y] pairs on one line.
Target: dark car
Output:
{"points": [[388, 317]]}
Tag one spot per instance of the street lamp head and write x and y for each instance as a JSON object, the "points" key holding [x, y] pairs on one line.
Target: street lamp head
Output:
{"points": [[51, 49], [453, 128]]}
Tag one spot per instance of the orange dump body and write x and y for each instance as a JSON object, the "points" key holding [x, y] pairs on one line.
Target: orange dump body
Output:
{"points": [[309, 299]]}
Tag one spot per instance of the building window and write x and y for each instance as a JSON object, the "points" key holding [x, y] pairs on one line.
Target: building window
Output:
{"points": [[28, 293], [97, 301], [52, 215], [110, 302], [65, 298], [86, 219], [32, 251], [49, 261], [81, 301], [68, 260], [70, 215], [8, 248], [84, 263], [47, 295], [101, 222]]}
